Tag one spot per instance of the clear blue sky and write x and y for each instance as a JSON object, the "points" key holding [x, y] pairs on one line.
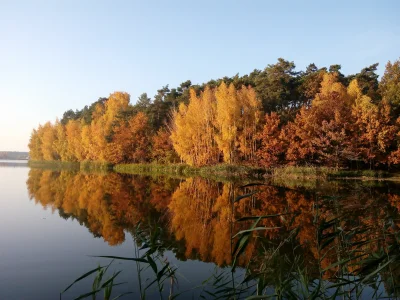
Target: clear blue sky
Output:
{"points": [[58, 55]]}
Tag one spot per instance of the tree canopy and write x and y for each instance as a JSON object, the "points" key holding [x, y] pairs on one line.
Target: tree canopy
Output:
{"points": [[269, 117]]}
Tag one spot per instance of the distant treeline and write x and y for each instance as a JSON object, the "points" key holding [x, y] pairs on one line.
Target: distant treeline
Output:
{"points": [[14, 155], [271, 117]]}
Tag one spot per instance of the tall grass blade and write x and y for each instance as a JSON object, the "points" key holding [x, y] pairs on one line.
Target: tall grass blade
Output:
{"points": [[83, 277], [110, 280], [87, 295], [254, 229], [237, 199], [123, 258]]}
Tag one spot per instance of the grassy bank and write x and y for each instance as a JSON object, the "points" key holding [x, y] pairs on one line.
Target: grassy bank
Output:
{"points": [[86, 166], [239, 171], [54, 165], [294, 172], [95, 166], [222, 171], [377, 174]]}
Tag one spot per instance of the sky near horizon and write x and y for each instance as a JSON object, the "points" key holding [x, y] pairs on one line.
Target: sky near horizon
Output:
{"points": [[61, 55]]}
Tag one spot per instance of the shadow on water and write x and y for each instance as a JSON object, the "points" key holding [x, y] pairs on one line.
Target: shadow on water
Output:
{"points": [[319, 241]]}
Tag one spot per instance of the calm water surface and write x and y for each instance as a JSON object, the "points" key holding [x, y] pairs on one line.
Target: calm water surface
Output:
{"points": [[53, 222], [47, 241]]}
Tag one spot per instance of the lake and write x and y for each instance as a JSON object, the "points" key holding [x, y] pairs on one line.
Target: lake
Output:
{"points": [[342, 236]]}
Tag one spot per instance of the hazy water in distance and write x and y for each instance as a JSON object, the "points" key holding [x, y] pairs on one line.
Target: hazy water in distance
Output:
{"points": [[13, 163]]}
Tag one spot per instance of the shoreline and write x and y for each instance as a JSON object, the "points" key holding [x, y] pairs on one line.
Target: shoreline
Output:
{"points": [[222, 171]]}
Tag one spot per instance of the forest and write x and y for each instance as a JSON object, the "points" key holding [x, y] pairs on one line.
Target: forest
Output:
{"points": [[269, 118]]}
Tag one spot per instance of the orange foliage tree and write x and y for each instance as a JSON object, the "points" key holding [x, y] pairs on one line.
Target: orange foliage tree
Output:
{"points": [[193, 132], [131, 141], [227, 127], [162, 148], [336, 122], [271, 151]]}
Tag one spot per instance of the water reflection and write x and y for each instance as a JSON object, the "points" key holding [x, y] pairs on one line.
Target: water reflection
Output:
{"points": [[13, 163], [320, 226], [107, 204]]}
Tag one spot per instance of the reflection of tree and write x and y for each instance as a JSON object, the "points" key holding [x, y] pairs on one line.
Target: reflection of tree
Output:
{"points": [[198, 219], [191, 210], [106, 204], [357, 220], [80, 195]]}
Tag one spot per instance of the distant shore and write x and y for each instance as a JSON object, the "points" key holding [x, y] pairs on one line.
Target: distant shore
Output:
{"points": [[14, 155]]}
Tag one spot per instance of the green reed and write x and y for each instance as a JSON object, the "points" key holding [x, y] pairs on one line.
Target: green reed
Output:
{"points": [[147, 257]]}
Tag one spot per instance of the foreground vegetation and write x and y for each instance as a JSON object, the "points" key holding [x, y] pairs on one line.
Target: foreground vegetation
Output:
{"points": [[271, 118]]}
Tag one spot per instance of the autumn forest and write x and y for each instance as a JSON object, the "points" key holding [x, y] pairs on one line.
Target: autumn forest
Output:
{"points": [[269, 118]]}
